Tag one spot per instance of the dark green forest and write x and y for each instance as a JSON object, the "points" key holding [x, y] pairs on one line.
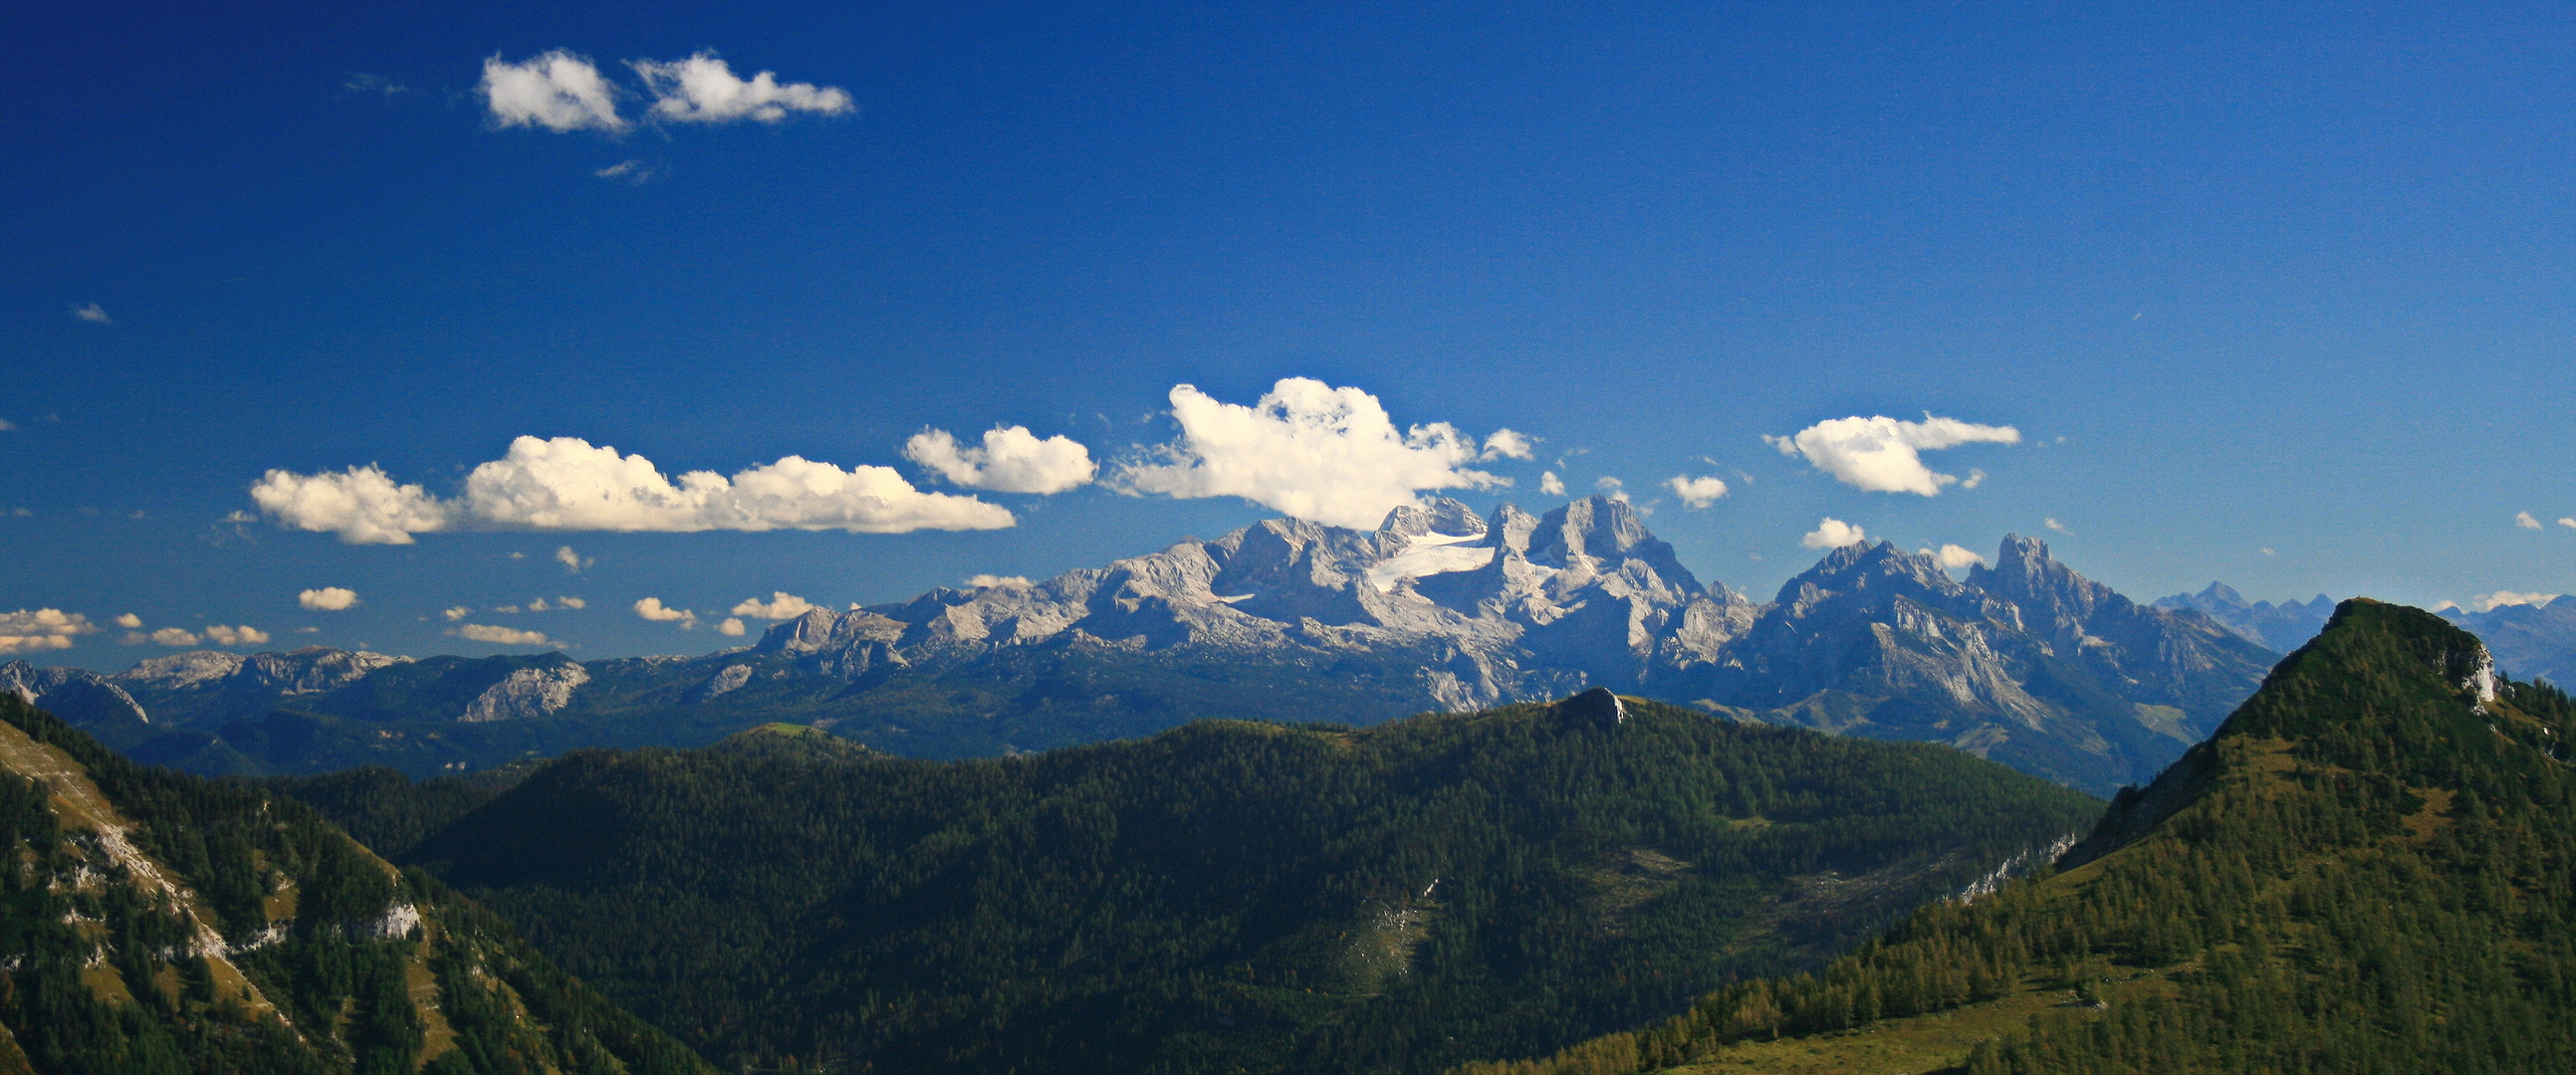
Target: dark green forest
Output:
{"points": [[1229, 896], [156, 923], [2368, 869]]}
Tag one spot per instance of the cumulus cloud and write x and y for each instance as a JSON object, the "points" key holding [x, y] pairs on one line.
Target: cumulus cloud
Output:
{"points": [[363, 506], [571, 602], [457, 613], [1884, 455], [129, 621], [2489, 602], [557, 90], [571, 560], [1007, 582], [704, 89], [476, 632], [327, 599], [36, 630], [92, 313], [1696, 492], [1550, 485], [1832, 533], [781, 606], [1953, 557], [2568, 521], [2524, 520], [653, 609], [566, 484], [1012, 460], [730, 628], [2053, 524], [1507, 444], [1611, 487], [244, 635], [167, 636], [1314, 451]]}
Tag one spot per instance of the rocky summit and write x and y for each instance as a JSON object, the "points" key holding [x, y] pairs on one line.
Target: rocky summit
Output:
{"points": [[2025, 661]]}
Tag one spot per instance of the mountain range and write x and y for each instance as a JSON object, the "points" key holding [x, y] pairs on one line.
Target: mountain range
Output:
{"points": [[2022, 660]]}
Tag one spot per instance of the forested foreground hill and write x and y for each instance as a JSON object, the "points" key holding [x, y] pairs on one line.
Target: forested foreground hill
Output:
{"points": [[1229, 896], [2371, 868], [155, 923]]}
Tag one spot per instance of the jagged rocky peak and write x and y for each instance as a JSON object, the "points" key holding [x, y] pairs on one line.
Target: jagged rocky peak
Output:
{"points": [[309, 670], [179, 671], [1439, 515], [1873, 571], [74, 694], [2025, 573], [528, 693]]}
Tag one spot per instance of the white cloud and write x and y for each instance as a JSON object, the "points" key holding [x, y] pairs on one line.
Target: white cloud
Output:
{"points": [[167, 636], [1550, 485], [1882, 454], [566, 484], [129, 621], [1832, 533], [457, 613], [1611, 487], [571, 560], [2524, 520], [363, 506], [653, 609], [1507, 444], [92, 313], [627, 171], [730, 628], [571, 602], [7, 426], [2053, 524], [2267, 551], [33, 630], [1974, 479], [2489, 602], [2568, 521], [540, 605], [244, 635], [1007, 582], [1954, 557], [1012, 460], [557, 90], [782, 606], [1697, 492], [1314, 451], [327, 599], [475, 632], [704, 89]]}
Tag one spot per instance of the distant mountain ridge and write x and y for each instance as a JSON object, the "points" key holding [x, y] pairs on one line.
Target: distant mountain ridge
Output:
{"points": [[2283, 627], [2026, 661]]}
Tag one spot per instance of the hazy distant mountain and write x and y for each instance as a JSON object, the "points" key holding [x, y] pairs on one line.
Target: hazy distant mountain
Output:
{"points": [[2026, 662], [2529, 641], [2283, 627]]}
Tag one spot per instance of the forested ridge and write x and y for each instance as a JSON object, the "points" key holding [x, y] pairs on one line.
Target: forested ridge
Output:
{"points": [[1228, 896], [156, 923], [2370, 868]]}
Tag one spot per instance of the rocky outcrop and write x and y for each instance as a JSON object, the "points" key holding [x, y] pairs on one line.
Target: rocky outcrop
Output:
{"points": [[310, 670], [527, 693]]}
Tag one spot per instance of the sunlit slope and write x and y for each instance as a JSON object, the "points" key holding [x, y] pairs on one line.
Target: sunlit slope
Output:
{"points": [[153, 922], [2369, 868]]}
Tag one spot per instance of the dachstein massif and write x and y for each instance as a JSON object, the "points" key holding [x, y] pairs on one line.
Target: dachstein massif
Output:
{"points": [[2022, 661]]}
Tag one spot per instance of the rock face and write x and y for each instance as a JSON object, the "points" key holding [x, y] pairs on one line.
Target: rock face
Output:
{"points": [[527, 693], [74, 694], [2535, 641], [2282, 627], [310, 670]]}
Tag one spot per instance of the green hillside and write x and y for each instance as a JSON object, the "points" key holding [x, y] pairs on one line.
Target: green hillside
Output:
{"points": [[1230, 896], [2371, 868], [154, 923]]}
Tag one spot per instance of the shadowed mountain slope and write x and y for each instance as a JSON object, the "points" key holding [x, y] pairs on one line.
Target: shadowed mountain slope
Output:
{"points": [[1229, 896]]}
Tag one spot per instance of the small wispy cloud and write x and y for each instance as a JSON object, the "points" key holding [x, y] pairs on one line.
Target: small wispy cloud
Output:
{"points": [[477, 632], [571, 560], [2524, 520], [1508, 444], [362, 82], [93, 313], [1954, 557], [2489, 602], [1550, 485], [2055, 525], [244, 635], [1696, 492], [630, 171], [780, 606], [704, 89]]}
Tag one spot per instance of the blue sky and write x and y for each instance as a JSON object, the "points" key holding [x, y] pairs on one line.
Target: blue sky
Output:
{"points": [[2274, 297]]}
